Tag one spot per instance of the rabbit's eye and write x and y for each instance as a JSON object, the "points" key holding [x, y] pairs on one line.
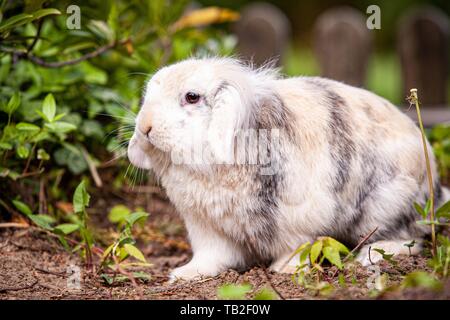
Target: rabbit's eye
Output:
{"points": [[192, 97]]}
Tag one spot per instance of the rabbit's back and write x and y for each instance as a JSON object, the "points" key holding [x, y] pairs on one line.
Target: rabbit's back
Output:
{"points": [[361, 163]]}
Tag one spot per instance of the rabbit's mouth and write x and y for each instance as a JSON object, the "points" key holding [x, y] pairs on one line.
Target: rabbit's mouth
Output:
{"points": [[138, 152]]}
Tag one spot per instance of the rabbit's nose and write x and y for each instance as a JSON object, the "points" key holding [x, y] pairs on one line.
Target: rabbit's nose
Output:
{"points": [[144, 130], [144, 123], [147, 130]]}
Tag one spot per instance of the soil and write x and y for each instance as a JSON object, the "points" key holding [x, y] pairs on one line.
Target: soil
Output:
{"points": [[34, 265]]}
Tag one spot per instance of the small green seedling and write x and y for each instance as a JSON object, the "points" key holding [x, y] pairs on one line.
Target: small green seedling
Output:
{"points": [[44, 221], [116, 256], [231, 291], [441, 259], [324, 248], [410, 245], [386, 256]]}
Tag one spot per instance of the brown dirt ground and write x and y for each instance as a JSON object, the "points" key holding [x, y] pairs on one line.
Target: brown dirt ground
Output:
{"points": [[33, 264]]}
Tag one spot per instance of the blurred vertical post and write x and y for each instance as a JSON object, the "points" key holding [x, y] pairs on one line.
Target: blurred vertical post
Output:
{"points": [[263, 33], [343, 44], [423, 40]]}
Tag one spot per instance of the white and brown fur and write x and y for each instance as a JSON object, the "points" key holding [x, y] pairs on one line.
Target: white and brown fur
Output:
{"points": [[348, 161]]}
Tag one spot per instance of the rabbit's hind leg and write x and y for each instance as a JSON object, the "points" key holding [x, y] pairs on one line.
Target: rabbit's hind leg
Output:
{"points": [[368, 255]]}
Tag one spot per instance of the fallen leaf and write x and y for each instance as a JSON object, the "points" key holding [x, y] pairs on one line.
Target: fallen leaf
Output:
{"points": [[203, 17], [65, 207]]}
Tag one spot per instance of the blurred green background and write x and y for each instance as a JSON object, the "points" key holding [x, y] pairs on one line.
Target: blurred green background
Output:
{"points": [[384, 72]]}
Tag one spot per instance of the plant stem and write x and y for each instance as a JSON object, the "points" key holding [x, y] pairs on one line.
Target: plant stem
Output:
{"points": [[29, 159], [58, 64], [415, 99]]}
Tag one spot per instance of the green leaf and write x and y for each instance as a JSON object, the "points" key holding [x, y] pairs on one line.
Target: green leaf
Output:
{"points": [[72, 148], [67, 228], [80, 198], [113, 17], [386, 256], [108, 279], [47, 218], [107, 251], [13, 103], [427, 222], [121, 278], [60, 127], [23, 152], [420, 210], [49, 107], [118, 213], [92, 128], [15, 21], [121, 253], [73, 159], [5, 146], [22, 207], [302, 247], [316, 249], [265, 294], [13, 175], [25, 126], [410, 244], [41, 221], [43, 155], [59, 116], [233, 291], [79, 46], [443, 210], [333, 256], [135, 216], [43, 116], [64, 243], [45, 12], [101, 29], [23, 18], [427, 206], [421, 279], [337, 245], [134, 252], [305, 253], [142, 275], [93, 74]]}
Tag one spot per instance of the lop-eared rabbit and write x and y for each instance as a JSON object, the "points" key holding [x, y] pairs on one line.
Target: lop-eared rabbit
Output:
{"points": [[328, 160]]}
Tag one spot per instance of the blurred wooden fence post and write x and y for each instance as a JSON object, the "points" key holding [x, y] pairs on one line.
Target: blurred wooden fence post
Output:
{"points": [[343, 45], [263, 33], [423, 38]]}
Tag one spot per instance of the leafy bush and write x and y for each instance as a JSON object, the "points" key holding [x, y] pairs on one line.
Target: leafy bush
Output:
{"points": [[440, 139], [68, 97]]}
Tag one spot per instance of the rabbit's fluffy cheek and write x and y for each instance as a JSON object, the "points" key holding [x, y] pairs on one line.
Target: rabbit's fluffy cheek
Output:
{"points": [[176, 137]]}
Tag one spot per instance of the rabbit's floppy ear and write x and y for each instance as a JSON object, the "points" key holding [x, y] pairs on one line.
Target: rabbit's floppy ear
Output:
{"points": [[229, 114]]}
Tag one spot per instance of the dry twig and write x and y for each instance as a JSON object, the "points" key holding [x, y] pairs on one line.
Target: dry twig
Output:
{"points": [[92, 168], [359, 245], [13, 225], [27, 286], [58, 64], [269, 281]]}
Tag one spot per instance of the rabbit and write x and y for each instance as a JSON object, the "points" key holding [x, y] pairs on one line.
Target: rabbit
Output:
{"points": [[329, 160]]}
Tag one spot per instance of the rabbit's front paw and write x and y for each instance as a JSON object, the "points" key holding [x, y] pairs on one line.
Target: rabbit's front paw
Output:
{"points": [[191, 271]]}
